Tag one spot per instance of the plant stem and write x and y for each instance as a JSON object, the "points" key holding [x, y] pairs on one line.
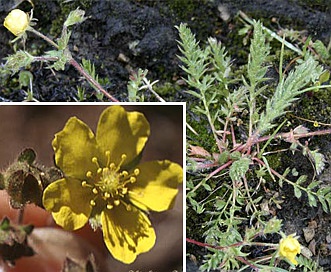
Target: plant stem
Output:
{"points": [[81, 70], [243, 243], [43, 37], [287, 136], [77, 66]]}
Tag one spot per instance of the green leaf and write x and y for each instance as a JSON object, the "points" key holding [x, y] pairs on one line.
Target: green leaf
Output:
{"points": [[259, 51], [206, 186], [324, 196], [312, 200], [287, 91], [323, 203], [272, 226], [313, 184], [297, 192], [321, 49], [75, 17], [16, 61], [25, 78], [64, 39], [239, 168], [318, 159], [301, 179]]}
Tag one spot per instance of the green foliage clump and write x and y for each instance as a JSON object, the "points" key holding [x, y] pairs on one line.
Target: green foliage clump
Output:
{"points": [[244, 115]]}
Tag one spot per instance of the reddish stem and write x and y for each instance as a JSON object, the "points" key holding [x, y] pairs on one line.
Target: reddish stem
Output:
{"points": [[80, 69], [219, 169]]}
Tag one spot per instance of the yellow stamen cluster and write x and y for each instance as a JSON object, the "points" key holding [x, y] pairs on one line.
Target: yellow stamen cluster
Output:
{"points": [[108, 183]]}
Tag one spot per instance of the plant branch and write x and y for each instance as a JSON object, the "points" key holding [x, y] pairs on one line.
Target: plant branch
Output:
{"points": [[76, 65], [81, 70], [287, 136]]}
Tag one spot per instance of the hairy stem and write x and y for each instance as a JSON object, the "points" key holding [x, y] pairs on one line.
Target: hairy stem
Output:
{"points": [[76, 65]]}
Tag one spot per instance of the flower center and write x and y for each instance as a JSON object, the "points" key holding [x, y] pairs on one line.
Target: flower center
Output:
{"points": [[109, 183]]}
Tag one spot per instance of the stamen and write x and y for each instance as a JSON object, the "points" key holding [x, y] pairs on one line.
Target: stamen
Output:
{"points": [[89, 174], [106, 195], [123, 158], [95, 160], [124, 173], [84, 183], [105, 171], [136, 171], [128, 208], [108, 157], [133, 179]]}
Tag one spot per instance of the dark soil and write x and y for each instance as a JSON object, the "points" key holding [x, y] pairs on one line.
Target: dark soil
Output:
{"points": [[143, 31]]}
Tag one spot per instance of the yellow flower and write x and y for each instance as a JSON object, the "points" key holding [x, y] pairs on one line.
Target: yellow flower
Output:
{"points": [[17, 22], [289, 247], [105, 183]]}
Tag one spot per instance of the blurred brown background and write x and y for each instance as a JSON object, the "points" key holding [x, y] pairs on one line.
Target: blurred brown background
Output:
{"points": [[34, 126]]}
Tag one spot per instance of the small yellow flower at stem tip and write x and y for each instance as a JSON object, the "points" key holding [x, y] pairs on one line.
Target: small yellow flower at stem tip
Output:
{"points": [[17, 22], [289, 247]]}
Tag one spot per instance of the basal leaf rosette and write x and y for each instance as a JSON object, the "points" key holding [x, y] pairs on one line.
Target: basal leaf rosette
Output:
{"points": [[105, 183]]}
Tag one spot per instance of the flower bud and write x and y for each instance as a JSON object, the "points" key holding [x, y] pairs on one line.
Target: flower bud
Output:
{"points": [[289, 247], [17, 21]]}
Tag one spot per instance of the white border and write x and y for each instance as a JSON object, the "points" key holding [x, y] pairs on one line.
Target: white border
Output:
{"points": [[142, 104]]}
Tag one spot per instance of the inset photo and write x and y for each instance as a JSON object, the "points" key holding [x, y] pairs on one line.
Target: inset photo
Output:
{"points": [[92, 187]]}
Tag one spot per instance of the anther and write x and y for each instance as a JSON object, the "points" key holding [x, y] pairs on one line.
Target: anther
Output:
{"points": [[99, 171], [84, 183], [95, 191], [136, 171], [124, 190], [95, 160], [123, 158], [89, 174], [105, 171], [109, 207], [106, 195], [92, 203], [124, 173], [116, 202], [133, 179], [128, 208]]}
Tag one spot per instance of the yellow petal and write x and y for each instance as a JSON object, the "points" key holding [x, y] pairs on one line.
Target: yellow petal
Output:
{"points": [[156, 186], [122, 132], [289, 247], [69, 203], [17, 21], [74, 148], [127, 233]]}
